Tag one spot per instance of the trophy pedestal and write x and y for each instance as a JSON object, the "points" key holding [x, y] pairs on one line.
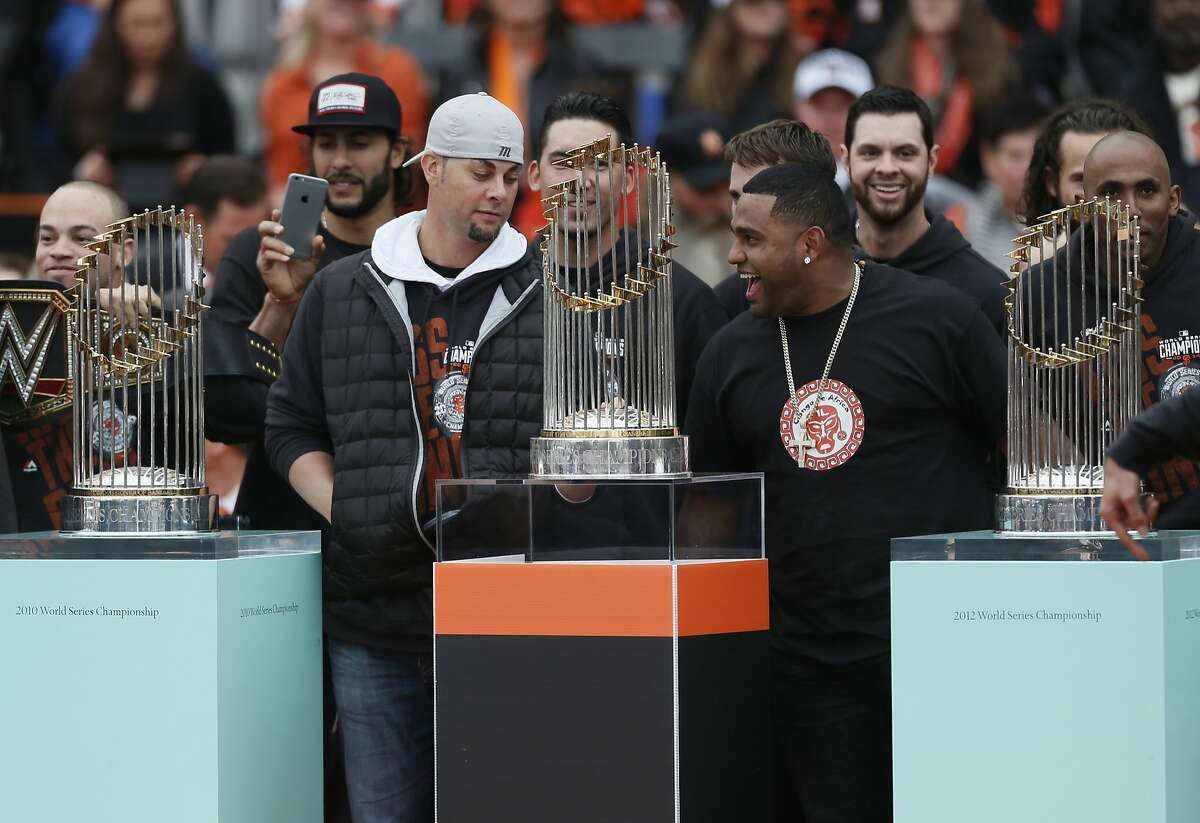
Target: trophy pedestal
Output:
{"points": [[145, 514], [170, 678], [605, 659], [608, 458], [1027, 685]]}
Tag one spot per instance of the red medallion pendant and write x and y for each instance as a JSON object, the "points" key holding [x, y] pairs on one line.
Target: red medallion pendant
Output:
{"points": [[835, 427]]}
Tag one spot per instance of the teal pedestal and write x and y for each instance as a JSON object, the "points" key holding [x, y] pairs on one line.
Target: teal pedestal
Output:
{"points": [[1045, 678], [155, 679]]}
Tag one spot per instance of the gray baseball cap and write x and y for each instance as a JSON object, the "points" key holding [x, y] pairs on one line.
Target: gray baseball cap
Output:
{"points": [[474, 126]]}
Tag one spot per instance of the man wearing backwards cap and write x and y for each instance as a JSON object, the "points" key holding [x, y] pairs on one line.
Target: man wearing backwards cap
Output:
{"points": [[416, 360]]}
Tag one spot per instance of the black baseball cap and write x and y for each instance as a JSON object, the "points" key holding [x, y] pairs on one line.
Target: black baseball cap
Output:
{"points": [[352, 99]]}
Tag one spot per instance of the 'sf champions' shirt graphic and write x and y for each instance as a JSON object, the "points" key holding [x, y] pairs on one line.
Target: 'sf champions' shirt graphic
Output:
{"points": [[440, 384], [829, 425], [1170, 367]]}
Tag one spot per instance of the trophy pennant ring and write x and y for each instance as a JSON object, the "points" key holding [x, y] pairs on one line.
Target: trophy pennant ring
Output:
{"points": [[1073, 347], [609, 360], [138, 432]]}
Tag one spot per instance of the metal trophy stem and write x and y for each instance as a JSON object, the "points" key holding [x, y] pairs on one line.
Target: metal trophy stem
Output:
{"points": [[609, 384], [1073, 346], [138, 432]]}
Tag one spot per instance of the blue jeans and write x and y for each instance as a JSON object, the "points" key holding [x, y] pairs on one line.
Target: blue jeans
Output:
{"points": [[385, 716]]}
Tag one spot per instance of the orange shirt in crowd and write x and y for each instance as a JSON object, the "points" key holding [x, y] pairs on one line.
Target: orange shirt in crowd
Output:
{"points": [[285, 104]]}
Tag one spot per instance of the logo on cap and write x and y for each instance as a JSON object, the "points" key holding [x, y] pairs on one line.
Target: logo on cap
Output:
{"points": [[505, 151], [342, 97]]}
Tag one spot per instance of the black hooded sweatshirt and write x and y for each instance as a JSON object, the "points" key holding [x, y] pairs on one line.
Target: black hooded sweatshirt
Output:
{"points": [[1171, 359], [944, 254]]}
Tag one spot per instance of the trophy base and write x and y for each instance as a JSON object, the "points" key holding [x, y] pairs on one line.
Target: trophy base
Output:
{"points": [[143, 514], [1062, 513], [608, 458]]}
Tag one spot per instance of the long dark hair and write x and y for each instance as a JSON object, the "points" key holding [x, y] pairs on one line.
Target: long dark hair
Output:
{"points": [[1089, 115], [97, 88]]}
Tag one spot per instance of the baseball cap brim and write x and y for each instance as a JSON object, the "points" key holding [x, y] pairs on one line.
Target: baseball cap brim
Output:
{"points": [[311, 128]]}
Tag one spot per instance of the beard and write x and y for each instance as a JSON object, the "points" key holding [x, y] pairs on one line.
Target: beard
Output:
{"points": [[374, 190], [891, 214], [479, 234]]}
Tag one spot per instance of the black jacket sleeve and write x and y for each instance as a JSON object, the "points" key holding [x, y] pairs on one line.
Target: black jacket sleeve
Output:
{"points": [[296, 403], [239, 366], [1169, 429]]}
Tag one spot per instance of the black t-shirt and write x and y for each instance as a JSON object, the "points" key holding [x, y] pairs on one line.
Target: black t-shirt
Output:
{"points": [[914, 405], [235, 402], [40, 469], [446, 327]]}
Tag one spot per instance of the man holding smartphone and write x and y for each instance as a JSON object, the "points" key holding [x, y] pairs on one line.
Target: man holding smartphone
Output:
{"points": [[356, 145], [418, 360]]}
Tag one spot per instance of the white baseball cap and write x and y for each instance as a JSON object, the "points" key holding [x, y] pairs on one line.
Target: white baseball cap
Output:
{"points": [[477, 127], [832, 69]]}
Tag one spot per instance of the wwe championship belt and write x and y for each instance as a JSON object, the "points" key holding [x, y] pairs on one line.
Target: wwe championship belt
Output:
{"points": [[36, 371]]}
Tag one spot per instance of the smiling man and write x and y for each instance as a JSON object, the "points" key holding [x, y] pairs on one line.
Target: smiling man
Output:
{"points": [[417, 360], [1131, 167], [842, 423], [890, 156]]}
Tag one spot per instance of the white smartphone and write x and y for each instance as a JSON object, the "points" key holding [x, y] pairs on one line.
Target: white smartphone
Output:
{"points": [[303, 202]]}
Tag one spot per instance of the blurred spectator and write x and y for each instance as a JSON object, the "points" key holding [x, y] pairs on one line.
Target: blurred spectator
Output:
{"points": [[826, 85], [521, 53], [693, 145], [139, 114], [231, 32], [742, 65], [1008, 132], [891, 154], [953, 54], [227, 194], [586, 12], [14, 266], [335, 37], [1163, 85], [25, 90], [1055, 176], [857, 26]]}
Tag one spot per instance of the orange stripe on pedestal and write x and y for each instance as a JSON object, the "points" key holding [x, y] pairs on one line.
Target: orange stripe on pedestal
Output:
{"points": [[723, 598], [572, 600]]}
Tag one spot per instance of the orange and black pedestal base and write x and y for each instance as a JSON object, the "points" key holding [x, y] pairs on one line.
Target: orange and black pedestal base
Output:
{"points": [[602, 692]]}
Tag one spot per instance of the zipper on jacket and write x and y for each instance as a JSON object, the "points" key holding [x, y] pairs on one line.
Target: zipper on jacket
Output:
{"points": [[419, 462]]}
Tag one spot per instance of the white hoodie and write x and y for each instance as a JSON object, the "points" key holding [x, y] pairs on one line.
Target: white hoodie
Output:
{"points": [[398, 255]]}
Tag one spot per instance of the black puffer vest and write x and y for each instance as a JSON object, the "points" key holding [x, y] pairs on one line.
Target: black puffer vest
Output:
{"points": [[346, 388]]}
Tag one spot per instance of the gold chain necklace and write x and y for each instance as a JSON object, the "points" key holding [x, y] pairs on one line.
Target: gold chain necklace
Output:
{"points": [[805, 443]]}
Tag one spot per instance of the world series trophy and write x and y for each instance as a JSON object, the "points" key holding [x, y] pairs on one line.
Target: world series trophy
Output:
{"points": [[609, 380], [1074, 337], [138, 433]]}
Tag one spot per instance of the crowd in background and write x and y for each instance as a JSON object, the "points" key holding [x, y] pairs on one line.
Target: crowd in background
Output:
{"points": [[192, 101], [115, 90]]}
